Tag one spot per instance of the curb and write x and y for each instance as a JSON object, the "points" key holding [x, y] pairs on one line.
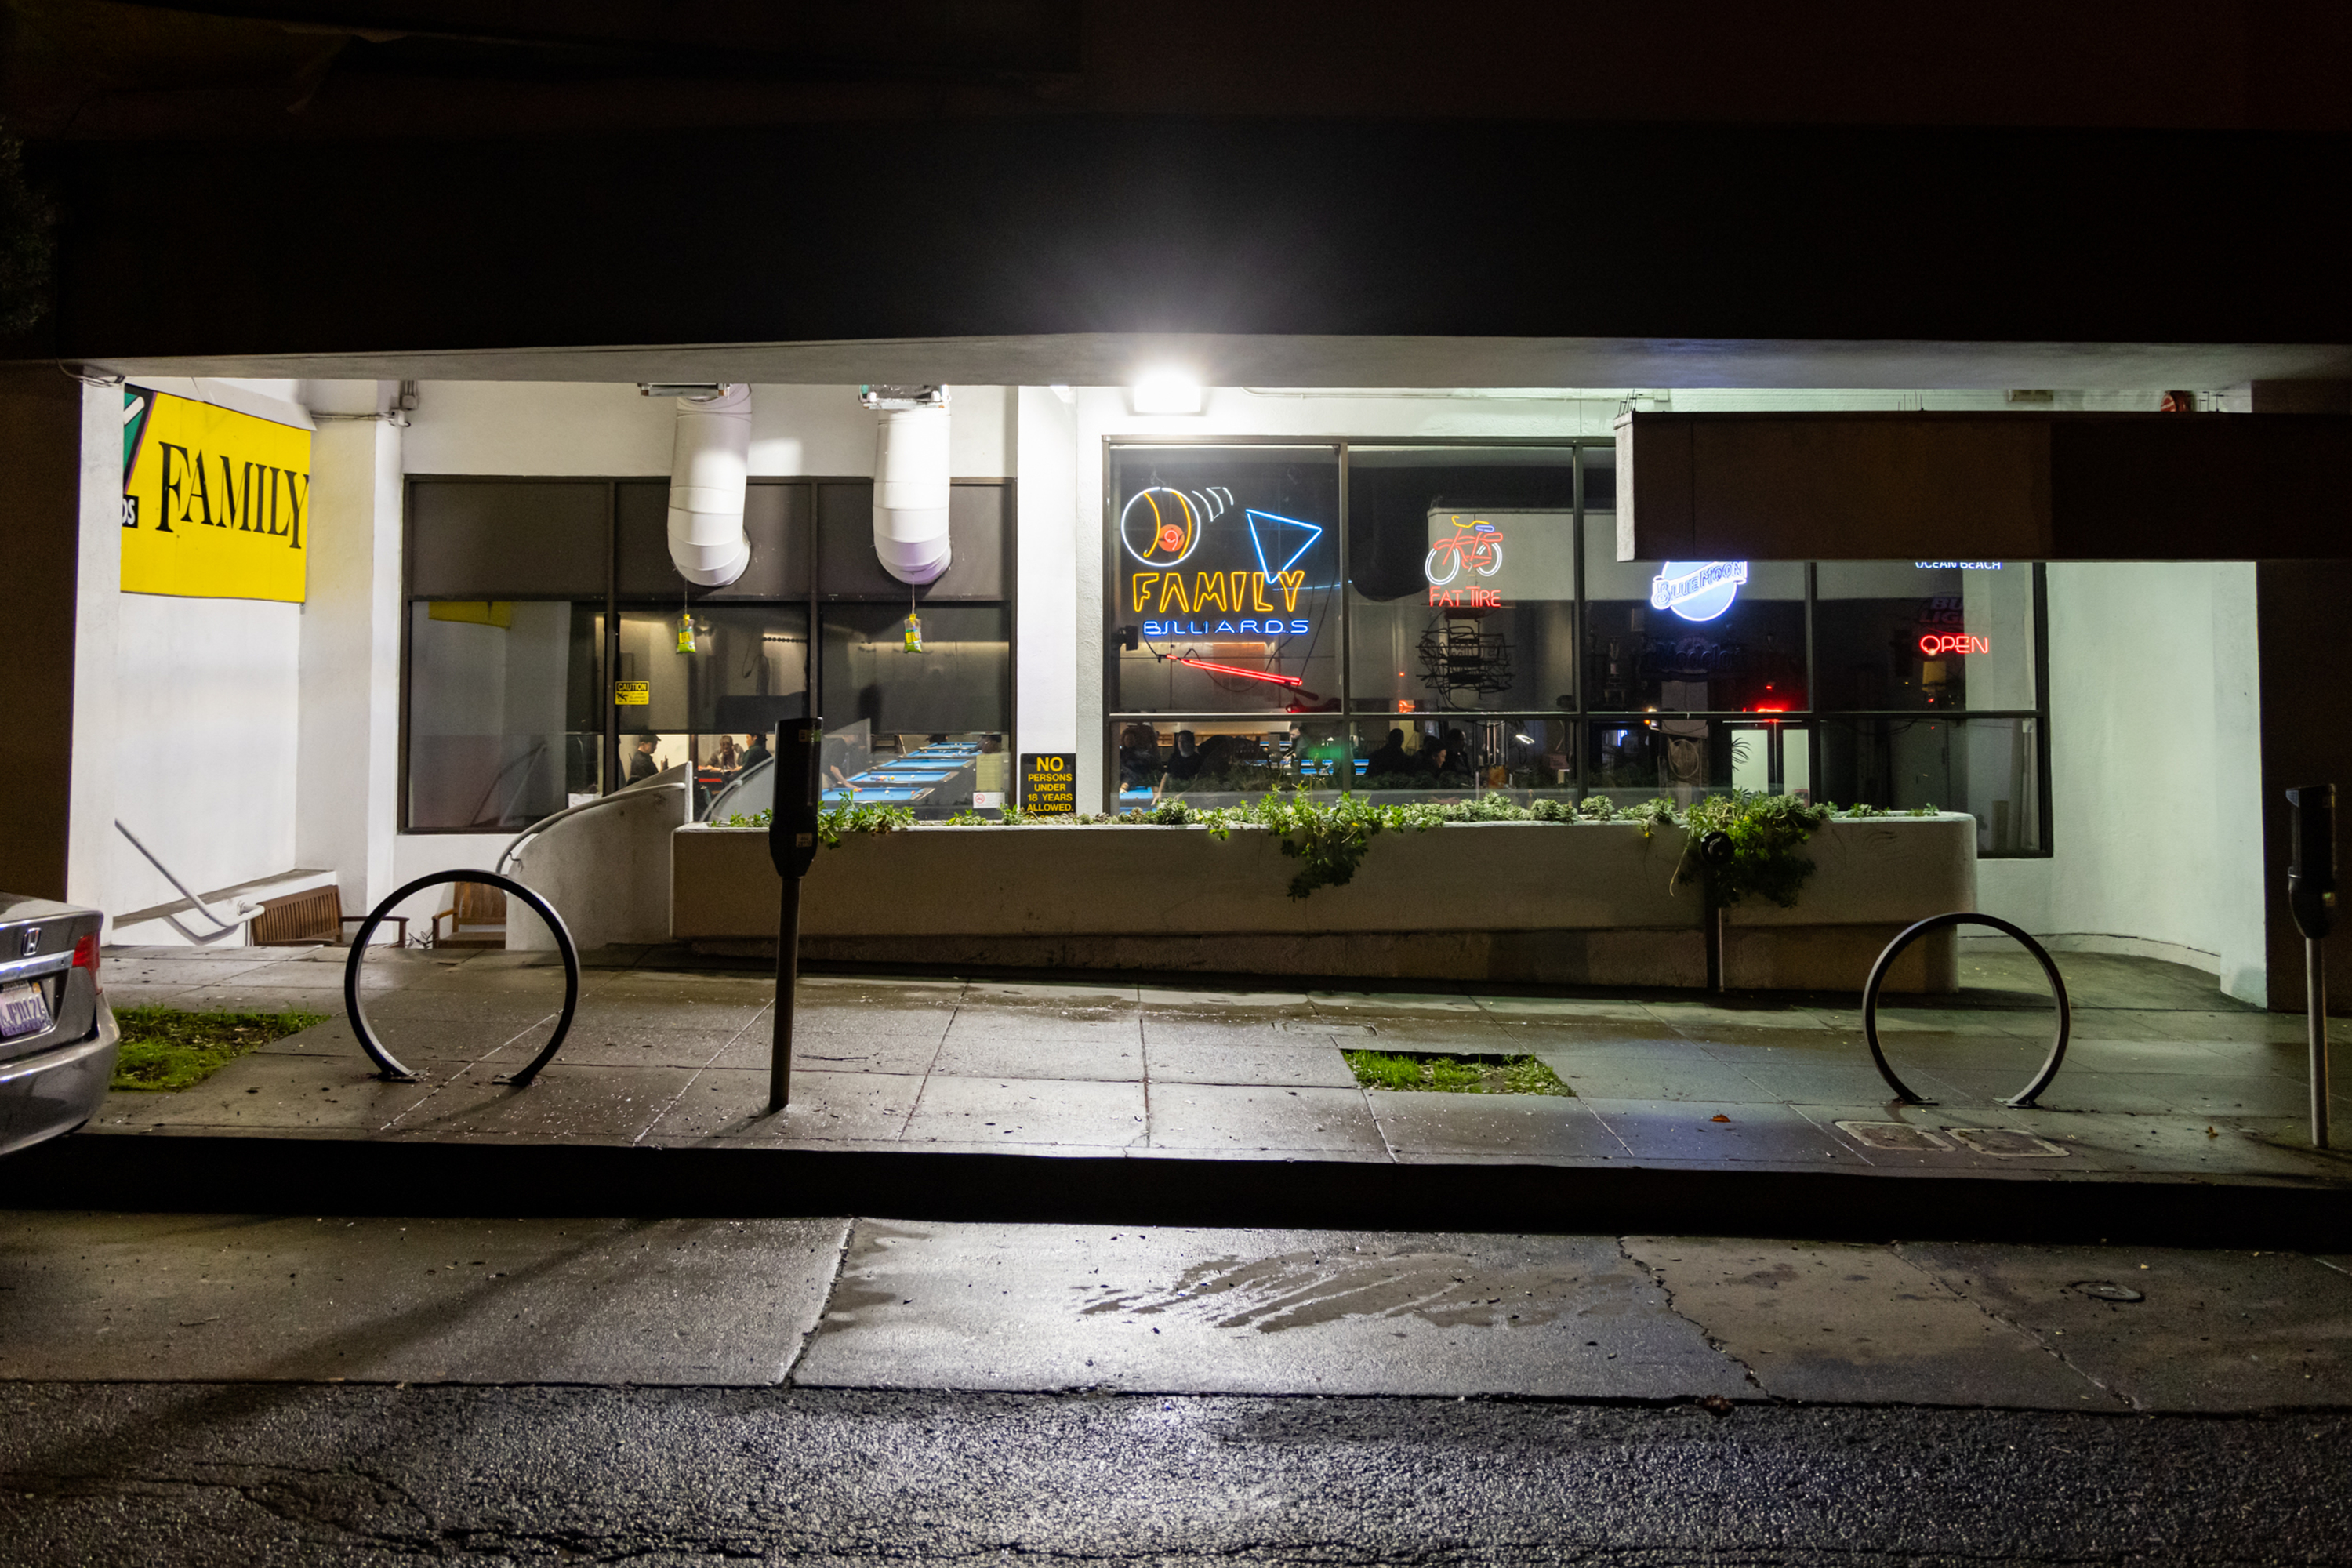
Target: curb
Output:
{"points": [[244, 1174]]}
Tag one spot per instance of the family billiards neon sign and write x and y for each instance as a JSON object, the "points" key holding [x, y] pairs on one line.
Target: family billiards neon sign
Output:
{"points": [[1245, 628]]}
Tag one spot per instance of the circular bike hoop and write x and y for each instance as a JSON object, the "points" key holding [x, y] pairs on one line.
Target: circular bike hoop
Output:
{"points": [[1904, 939], [385, 1061]]}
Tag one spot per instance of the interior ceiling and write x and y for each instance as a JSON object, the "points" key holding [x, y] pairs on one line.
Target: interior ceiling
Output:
{"points": [[1114, 359]]}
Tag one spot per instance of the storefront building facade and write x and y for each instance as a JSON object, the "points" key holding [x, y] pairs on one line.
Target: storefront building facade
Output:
{"points": [[1411, 594]]}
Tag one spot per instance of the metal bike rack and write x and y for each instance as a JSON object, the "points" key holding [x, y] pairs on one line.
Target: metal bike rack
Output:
{"points": [[386, 1063], [1904, 939]]}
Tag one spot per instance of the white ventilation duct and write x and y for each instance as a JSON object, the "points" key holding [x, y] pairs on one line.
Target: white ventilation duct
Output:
{"points": [[709, 462], [910, 482]]}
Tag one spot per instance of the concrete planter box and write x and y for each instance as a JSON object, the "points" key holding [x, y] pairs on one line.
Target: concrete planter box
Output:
{"points": [[1546, 902]]}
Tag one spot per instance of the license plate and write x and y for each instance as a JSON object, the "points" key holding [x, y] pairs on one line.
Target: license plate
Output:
{"points": [[23, 1011]]}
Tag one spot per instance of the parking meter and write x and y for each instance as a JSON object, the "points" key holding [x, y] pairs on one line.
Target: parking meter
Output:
{"points": [[2311, 863], [792, 832], [792, 845], [2311, 895]]}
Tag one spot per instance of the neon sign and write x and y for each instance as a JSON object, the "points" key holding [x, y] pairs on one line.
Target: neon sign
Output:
{"points": [[1172, 520], [1242, 628], [1934, 644], [1478, 546], [1256, 597], [1244, 674], [1233, 592], [1265, 525], [1698, 590]]}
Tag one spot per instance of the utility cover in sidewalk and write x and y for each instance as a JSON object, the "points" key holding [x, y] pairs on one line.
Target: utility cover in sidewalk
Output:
{"points": [[2008, 1143], [1894, 1135]]}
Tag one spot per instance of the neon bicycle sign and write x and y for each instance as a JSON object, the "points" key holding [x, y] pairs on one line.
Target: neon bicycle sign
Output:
{"points": [[1477, 544]]}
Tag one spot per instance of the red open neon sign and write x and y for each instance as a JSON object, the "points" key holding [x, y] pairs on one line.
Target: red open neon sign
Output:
{"points": [[1937, 643]]}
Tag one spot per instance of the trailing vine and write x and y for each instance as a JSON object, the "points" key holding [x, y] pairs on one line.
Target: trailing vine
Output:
{"points": [[1764, 834]]}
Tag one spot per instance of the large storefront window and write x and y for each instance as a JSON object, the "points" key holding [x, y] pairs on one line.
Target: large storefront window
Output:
{"points": [[1227, 567], [503, 721], [553, 655], [1494, 641]]}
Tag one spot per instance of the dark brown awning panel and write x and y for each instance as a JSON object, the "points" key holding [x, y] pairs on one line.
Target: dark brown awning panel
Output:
{"points": [[2020, 487]]}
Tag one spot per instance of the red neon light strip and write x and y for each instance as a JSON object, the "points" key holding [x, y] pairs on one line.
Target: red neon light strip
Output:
{"points": [[1244, 674]]}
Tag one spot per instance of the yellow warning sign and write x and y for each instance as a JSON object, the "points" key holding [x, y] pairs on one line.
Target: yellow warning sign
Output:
{"points": [[633, 693], [1049, 783], [215, 503]]}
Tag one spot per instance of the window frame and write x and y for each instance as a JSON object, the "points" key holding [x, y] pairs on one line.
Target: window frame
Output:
{"points": [[1582, 716], [813, 603]]}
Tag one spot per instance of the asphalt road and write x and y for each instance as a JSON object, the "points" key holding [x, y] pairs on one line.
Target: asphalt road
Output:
{"points": [[257, 1474], [256, 1389]]}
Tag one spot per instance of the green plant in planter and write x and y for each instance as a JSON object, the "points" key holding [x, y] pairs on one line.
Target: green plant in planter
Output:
{"points": [[1596, 808], [1650, 814], [1328, 837], [832, 825], [1765, 833]]}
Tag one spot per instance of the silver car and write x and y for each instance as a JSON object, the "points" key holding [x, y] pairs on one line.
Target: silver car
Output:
{"points": [[56, 1033]]}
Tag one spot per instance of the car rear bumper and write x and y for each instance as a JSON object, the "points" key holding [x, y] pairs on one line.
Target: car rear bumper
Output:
{"points": [[59, 1088]]}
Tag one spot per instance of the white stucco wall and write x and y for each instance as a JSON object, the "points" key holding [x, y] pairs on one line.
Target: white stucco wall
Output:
{"points": [[608, 430], [207, 714], [1045, 559], [189, 718], [349, 745], [2155, 770]]}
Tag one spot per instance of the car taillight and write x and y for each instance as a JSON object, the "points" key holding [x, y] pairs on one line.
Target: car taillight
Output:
{"points": [[86, 955]]}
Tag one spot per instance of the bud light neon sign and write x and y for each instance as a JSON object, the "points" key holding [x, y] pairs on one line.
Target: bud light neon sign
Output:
{"points": [[1698, 590]]}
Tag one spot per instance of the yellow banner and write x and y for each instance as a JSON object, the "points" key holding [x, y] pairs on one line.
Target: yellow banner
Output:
{"points": [[216, 504]]}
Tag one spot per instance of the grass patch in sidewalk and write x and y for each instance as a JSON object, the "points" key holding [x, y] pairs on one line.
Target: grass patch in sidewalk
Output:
{"points": [[1464, 1074], [166, 1049]]}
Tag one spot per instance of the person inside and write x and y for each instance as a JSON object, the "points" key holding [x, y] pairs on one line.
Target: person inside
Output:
{"points": [[1138, 756], [642, 765], [755, 752], [1186, 762], [1391, 758]]}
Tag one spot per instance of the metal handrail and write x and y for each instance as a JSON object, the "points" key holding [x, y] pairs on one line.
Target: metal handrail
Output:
{"points": [[536, 828], [710, 813], [243, 915]]}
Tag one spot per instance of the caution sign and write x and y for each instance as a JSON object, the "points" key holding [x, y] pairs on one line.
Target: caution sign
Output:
{"points": [[215, 503], [1049, 783], [633, 693]]}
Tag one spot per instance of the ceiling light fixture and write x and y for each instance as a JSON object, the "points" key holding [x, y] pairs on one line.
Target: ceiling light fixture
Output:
{"points": [[1165, 391]]}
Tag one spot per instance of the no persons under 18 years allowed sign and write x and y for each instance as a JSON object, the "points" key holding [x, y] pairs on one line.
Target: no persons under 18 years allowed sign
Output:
{"points": [[1049, 783]]}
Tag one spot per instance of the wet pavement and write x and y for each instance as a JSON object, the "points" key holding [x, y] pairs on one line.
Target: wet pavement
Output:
{"points": [[2165, 1079], [983, 1306]]}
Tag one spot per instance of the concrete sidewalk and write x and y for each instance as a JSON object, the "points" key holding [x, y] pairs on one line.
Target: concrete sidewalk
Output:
{"points": [[2166, 1080], [842, 1304]]}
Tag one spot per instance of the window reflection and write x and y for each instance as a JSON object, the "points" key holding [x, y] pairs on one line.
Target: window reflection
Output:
{"points": [[1731, 639], [504, 723]]}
